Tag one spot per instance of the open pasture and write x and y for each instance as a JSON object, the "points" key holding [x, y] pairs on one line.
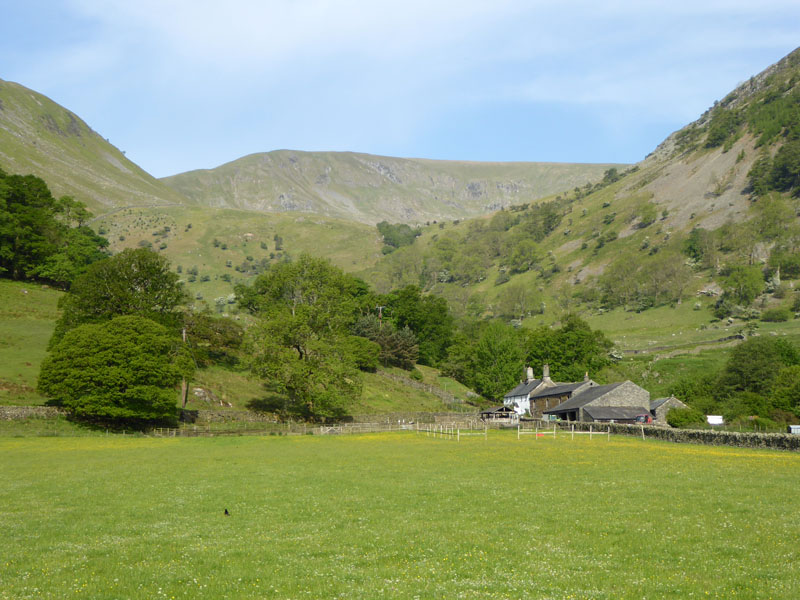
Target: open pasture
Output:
{"points": [[398, 515]]}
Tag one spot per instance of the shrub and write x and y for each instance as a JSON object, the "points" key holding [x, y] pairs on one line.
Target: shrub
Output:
{"points": [[685, 417], [776, 315]]}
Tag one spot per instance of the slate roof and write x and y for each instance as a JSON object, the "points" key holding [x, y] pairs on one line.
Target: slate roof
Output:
{"points": [[602, 413], [524, 388], [559, 390], [583, 398], [498, 409], [658, 402]]}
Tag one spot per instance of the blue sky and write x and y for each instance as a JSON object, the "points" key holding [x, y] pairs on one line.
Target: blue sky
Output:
{"points": [[186, 84]]}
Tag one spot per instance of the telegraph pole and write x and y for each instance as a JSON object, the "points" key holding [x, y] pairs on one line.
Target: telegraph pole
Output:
{"points": [[380, 315]]}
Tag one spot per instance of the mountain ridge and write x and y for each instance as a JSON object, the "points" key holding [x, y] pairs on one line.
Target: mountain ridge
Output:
{"points": [[41, 137], [369, 188]]}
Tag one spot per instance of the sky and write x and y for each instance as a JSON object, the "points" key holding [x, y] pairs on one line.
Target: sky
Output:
{"points": [[190, 84]]}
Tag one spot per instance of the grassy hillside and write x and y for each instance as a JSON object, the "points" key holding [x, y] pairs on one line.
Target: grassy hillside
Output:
{"points": [[39, 137], [218, 242], [27, 317], [395, 516], [28, 313], [369, 189]]}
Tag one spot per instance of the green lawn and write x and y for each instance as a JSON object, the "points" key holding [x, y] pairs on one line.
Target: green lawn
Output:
{"points": [[395, 516]]}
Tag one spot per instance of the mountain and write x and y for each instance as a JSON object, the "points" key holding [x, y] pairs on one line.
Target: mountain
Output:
{"points": [[40, 137], [368, 189], [714, 204]]}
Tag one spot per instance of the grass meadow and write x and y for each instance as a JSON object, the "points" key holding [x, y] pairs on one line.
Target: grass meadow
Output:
{"points": [[397, 515]]}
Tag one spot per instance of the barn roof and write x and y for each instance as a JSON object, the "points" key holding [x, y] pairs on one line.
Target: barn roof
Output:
{"points": [[603, 413], [659, 401], [559, 390], [583, 398]]}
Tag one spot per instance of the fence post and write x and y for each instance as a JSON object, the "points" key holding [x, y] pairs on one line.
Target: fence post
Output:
{"points": [[573, 431], [590, 433], [642, 426], [517, 430]]}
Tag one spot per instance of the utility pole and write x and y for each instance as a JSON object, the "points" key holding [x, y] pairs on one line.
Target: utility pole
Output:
{"points": [[380, 315]]}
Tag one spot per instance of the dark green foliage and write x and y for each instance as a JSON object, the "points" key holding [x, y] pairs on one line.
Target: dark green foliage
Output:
{"points": [[487, 357], [724, 124], [41, 237], [365, 353], [134, 282], [428, 317], [213, 340], [685, 417], [754, 365], [785, 173], [397, 347], [397, 236], [571, 350], [121, 372]]}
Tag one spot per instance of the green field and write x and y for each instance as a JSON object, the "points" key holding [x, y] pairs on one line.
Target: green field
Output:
{"points": [[395, 516]]}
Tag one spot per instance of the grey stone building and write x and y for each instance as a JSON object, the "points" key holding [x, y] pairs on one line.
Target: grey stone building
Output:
{"points": [[661, 406], [618, 402]]}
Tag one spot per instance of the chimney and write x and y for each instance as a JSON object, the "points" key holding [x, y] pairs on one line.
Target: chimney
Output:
{"points": [[546, 374], [528, 374], [586, 376]]}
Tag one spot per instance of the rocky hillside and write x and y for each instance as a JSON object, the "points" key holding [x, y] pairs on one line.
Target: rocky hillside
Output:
{"points": [[40, 137], [368, 189]]}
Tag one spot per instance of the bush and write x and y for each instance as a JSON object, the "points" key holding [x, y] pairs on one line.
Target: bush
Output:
{"points": [[416, 375], [776, 315], [685, 417]]}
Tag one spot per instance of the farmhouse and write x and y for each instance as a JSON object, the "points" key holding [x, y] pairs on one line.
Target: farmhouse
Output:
{"points": [[519, 397]]}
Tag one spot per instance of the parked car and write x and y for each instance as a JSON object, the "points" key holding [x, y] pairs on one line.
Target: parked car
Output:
{"points": [[645, 418]]}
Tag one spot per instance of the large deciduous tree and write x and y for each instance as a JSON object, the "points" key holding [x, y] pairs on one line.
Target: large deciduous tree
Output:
{"points": [[133, 282], [121, 371], [301, 346]]}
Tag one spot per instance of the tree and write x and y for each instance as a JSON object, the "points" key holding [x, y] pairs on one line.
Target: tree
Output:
{"points": [[571, 350], [398, 348], [428, 317], [754, 365], [499, 360], [134, 282], [743, 284], [300, 345], [122, 371], [41, 237]]}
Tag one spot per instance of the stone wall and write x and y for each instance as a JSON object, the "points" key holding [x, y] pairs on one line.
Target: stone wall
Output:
{"points": [[13, 413], [710, 437]]}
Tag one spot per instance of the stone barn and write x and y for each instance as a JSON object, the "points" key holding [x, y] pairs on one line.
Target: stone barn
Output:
{"points": [[618, 402], [661, 406]]}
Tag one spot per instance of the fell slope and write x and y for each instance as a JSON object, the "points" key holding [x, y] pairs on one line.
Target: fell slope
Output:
{"points": [[40, 137], [368, 189]]}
